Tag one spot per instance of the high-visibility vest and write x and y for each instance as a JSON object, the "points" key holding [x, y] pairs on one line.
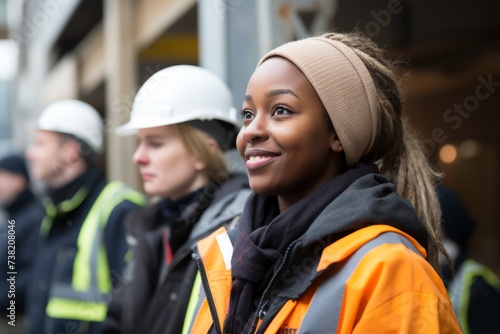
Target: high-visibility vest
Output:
{"points": [[87, 296], [459, 289], [322, 308]]}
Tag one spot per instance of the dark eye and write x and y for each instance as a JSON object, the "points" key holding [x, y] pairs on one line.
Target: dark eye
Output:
{"points": [[246, 114], [281, 110]]}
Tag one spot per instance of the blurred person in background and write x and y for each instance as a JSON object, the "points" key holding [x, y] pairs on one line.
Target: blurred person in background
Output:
{"points": [[82, 245], [474, 289], [18, 237], [184, 119]]}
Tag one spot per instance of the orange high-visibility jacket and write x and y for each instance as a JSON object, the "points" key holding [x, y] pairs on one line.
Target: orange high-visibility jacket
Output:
{"points": [[374, 280]]}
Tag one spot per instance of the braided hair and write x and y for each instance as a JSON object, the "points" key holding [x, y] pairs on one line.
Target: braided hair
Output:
{"points": [[397, 150]]}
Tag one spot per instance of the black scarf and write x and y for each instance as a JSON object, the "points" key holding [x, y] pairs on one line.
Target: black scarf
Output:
{"points": [[265, 235], [171, 209]]}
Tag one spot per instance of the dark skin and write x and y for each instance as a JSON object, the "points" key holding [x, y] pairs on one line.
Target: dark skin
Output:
{"points": [[286, 143]]}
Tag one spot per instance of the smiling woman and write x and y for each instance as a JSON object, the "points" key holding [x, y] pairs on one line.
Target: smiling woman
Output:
{"points": [[341, 234], [288, 148]]}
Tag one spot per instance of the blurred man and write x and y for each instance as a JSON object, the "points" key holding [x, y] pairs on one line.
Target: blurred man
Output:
{"points": [[475, 289], [82, 246], [18, 237]]}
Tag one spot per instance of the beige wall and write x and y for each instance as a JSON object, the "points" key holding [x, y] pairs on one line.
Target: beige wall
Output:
{"points": [[106, 61]]}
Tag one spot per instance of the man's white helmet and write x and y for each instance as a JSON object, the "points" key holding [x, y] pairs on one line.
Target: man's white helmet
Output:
{"points": [[75, 118], [185, 93]]}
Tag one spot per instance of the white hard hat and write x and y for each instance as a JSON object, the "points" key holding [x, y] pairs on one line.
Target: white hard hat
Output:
{"points": [[183, 93], [75, 118]]}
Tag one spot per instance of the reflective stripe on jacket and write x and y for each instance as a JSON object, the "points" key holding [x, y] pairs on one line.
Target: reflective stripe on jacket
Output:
{"points": [[86, 297], [374, 280], [460, 288]]}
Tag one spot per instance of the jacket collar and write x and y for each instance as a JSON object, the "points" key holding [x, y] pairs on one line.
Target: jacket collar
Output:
{"points": [[366, 209], [370, 200], [88, 179]]}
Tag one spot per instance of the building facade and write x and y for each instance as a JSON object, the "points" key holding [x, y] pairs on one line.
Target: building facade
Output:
{"points": [[101, 51]]}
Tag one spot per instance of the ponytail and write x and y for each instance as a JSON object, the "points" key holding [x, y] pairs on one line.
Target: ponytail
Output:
{"points": [[396, 149], [415, 180]]}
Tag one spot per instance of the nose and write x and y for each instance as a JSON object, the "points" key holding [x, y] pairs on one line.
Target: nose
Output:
{"points": [[256, 129], [140, 157]]}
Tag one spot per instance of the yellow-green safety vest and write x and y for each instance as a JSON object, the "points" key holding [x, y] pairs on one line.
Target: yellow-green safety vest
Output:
{"points": [[459, 289], [87, 296]]}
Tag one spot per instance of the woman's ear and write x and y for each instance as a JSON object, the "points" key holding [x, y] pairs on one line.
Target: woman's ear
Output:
{"points": [[212, 143], [335, 144], [199, 164]]}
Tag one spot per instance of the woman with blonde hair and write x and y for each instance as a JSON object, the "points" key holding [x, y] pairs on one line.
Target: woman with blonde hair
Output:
{"points": [[341, 233], [184, 120]]}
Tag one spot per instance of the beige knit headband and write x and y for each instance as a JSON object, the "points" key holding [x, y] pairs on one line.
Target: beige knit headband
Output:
{"points": [[343, 84]]}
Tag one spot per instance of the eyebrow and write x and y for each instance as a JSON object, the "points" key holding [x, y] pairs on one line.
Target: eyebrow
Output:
{"points": [[281, 91], [274, 93], [153, 137]]}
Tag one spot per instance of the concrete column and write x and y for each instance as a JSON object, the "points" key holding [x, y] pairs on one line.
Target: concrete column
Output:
{"points": [[120, 81], [212, 37]]}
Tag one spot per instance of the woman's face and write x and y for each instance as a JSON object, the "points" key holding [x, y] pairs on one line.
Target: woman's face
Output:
{"points": [[287, 146], [166, 166]]}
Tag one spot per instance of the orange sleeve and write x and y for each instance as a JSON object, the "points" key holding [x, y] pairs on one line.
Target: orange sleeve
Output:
{"points": [[394, 290], [410, 313]]}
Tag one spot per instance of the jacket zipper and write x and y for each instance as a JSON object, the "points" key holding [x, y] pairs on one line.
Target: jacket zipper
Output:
{"points": [[261, 312], [206, 290]]}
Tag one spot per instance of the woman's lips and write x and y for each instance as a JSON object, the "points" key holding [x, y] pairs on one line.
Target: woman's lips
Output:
{"points": [[259, 161], [147, 176]]}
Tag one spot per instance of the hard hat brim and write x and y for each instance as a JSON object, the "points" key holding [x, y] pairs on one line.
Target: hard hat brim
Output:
{"points": [[134, 125], [131, 128]]}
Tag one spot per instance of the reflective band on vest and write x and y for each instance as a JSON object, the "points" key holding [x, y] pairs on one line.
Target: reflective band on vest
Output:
{"points": [[332, 289], [68, 205], [192, 308], [88, 293], [74, 309], [226, 248], [459, 290]]}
